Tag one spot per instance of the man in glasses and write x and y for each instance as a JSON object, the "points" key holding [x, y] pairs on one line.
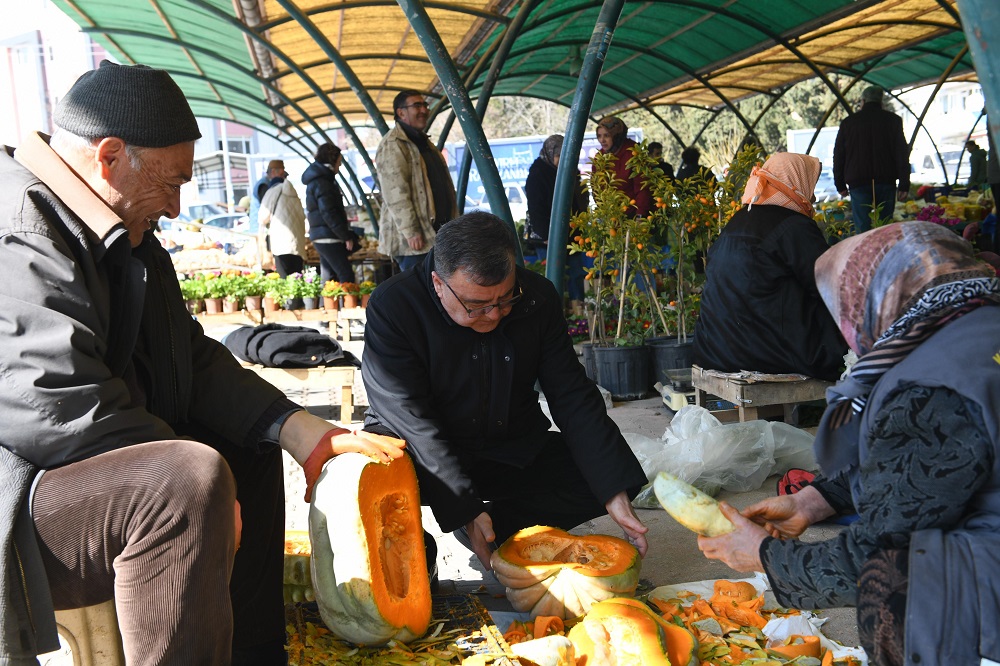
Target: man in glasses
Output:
{"points": [[417, 192], [453, 351]]}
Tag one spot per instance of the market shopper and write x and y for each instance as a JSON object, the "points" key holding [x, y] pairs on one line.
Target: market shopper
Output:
{"points": [[329, 230], [760, 308], [283, 223], [691, 168], [129, 435], [418, 195], [909, 441], [871, 160], [612, 134], [539, 189], [453, 351], [656, 152], [977, 165]]}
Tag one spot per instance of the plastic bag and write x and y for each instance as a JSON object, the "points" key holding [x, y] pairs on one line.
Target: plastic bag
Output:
{"points": [[709, 455]]}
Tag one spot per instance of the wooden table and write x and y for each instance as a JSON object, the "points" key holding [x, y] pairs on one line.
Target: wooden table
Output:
{"points": [[341, 376], [753, 394]]}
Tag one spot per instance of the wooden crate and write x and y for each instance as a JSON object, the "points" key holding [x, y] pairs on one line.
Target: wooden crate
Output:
{"points": [[755, 394]]}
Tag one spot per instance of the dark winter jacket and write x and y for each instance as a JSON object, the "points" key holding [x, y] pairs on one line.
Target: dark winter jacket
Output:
{"points": [[539, 188], [871, 148], [325, 204], [122, 361], [461, 398], [760, 309]]}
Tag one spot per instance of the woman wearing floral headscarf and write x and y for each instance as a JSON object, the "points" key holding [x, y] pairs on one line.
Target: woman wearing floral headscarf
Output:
{"points": [[760, 309], [612, 135], [909, 441]]}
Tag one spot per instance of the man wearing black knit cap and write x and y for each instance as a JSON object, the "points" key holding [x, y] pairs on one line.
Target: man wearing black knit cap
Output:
{"points": [[137, 455]]}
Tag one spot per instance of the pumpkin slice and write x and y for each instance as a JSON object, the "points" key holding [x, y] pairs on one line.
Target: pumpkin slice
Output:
{"points": [[620, 635], [682, 646], [690, 507], [546, 651], [548, 571], [368, 564], [799, 646]]}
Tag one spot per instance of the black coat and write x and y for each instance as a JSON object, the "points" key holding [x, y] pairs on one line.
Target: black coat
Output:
{"points": [[325, 204], [871, 148], [462, 399], [760, 309], [539, 189]]}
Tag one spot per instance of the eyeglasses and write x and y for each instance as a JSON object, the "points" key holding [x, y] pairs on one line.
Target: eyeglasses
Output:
{"points": [[418, 105], [486, 309]]}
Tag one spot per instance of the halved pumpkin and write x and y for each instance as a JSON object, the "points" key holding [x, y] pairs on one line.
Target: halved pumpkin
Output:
{"points": [[619, 634], [368, 565], [548, 571]]}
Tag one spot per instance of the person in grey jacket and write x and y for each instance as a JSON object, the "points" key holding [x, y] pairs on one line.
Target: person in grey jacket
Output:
{"points": [[910, 442], [418, 195], [139, 461]]}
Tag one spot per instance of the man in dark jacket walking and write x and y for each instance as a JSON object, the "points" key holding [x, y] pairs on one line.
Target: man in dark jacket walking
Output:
{"points": [[452, 353], [871, 160], [133, 444]]}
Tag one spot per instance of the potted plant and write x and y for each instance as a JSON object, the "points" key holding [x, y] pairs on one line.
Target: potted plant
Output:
{"points": [[351, 294], [295, 287], [215, 290], [332, 291], [310, 288], [275, 292], [254, 291], [234, 288], [193, 292], [365, 288]]}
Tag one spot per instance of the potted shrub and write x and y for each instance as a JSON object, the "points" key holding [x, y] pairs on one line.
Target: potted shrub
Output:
{"points": [[332, 291], [193, 292], [366, 288], [310, 288], [351, 294]]}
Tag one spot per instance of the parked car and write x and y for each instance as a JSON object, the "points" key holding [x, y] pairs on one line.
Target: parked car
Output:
{"points": [[515, 198], [217, 227]]}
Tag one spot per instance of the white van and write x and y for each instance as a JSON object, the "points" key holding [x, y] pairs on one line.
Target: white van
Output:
{"points": [[925, 166]]}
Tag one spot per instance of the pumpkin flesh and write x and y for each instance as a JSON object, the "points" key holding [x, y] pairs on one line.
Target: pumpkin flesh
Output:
{"points": [[368, 564], [548, 571], [615, 634]]}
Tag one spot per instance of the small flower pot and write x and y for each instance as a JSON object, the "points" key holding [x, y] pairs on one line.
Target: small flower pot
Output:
{"points": [[270, 305], [253, 303], [310, 303], [350, 301], [331, 303], [213, 305], [230, 305], [364, 300], [293, 304], [195, 305]]}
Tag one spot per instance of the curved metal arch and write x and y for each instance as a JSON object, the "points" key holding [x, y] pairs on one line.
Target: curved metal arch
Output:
{"points": [[276, 137], [829, 112], [364, 56], [253, 33], [345, 69], [930, 137], [125, 57], [951, 10], [253, 114], [874, 23], [937, 86], [362, 4]]}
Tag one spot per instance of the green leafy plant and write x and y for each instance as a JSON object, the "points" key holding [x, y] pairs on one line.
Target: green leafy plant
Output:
{"points": [[366, 287], [311, 286], [332, 289], [276, 288], [192, 287]]}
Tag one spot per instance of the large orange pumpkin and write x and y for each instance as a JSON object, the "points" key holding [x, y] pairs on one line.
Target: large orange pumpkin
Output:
{"points": [[548, 571], [369, 570]]}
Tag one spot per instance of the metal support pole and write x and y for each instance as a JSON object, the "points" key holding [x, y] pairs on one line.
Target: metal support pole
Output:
{"points": [[980, 35], [364, 197], [486, 90], [569, 156], [458, 95]]}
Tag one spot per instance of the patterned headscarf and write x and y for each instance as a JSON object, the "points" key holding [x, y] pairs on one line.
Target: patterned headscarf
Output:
{"points": [[889, 290], [550, 149], [786, 180], [617, 129]]}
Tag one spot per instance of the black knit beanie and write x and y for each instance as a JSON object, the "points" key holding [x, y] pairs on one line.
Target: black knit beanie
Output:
{"points": [[138, 104]]}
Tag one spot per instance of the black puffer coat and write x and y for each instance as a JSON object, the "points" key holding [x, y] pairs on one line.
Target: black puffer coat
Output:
{"points": [[325, 204]]}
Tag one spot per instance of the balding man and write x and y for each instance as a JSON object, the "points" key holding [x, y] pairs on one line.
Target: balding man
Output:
{"points": [[129, 435]]}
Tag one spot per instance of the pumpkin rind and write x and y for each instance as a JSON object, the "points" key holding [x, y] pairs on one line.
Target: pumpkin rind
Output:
{"points": [[548, 571], [369, 569], [690, 507], [682, 646]]}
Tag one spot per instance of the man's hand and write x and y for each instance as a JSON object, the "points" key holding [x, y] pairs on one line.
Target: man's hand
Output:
{"points": [[902, 195], [740, 549], [843, 193], [788, 516], [415, 242], [340, 440], [349, 245], [481, 536], [620, 509]]}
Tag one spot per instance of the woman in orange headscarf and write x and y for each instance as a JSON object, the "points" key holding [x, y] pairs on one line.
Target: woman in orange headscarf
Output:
{"points": [[760, 309]]}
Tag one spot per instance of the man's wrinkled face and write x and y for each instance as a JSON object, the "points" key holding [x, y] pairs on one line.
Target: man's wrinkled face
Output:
{"points": [[414, 113], [604, 138], [143, 193], [464, 295]]}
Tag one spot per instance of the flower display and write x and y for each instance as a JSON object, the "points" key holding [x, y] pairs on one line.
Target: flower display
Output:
{"points": [[937, 215]]}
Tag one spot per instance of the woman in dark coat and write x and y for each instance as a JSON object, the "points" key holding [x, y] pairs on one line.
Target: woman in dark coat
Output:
{"points": [[760, 309], [328, 228]]}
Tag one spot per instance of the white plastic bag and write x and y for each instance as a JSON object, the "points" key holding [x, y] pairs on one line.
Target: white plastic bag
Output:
{"points": [[709, 455]]}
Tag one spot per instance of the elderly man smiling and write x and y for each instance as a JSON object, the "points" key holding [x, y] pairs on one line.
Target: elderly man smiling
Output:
{"points": [[129, 435]]}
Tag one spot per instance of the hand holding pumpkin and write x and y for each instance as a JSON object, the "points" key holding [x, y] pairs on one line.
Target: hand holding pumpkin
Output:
{"points": [[788, 516], [739, 549], [620, 509], [340, 440]]}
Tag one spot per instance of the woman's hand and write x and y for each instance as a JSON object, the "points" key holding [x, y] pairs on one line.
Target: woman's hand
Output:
{"points": [[788, 516], [740, 549]]}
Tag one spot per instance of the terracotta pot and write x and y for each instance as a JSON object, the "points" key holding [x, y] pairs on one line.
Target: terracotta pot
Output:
{"points": [[213, 305], [195, 305], [253, 303], [364, 300], [270, 305], [350, 301], [331, 303], [230, 305]]}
